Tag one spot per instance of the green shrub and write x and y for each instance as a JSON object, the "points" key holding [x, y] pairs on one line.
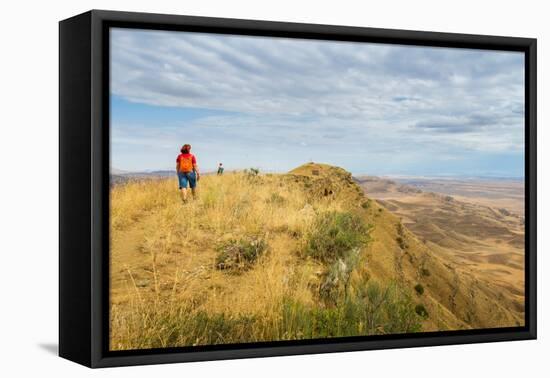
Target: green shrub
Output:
{"points": [[334, 234], [372, 309], [366, 205], [419, 289], [240, 254], [400, 316], [421, 310], [335, 286]]}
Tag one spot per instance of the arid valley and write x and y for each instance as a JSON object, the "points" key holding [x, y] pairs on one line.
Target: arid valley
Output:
{"points": [[477, 224]]}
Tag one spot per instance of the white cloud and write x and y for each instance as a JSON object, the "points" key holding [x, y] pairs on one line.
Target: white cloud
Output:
{"points": [[395, 98]]}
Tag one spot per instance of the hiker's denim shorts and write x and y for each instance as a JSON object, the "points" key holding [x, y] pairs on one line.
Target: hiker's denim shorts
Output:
{"points": [[185, 178]]}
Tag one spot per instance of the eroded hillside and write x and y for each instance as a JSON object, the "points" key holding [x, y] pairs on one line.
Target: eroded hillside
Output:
{"points": [[485, 245]]}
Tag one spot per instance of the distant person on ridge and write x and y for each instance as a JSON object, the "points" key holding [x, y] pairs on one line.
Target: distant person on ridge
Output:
{"points": [[220, 169], [188, 171]]}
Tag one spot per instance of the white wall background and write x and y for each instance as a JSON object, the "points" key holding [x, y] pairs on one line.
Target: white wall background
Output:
{"points": [[29, 186]]}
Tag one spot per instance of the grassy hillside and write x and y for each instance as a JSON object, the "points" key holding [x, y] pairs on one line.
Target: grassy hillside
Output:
{"points": [[276, 257]]}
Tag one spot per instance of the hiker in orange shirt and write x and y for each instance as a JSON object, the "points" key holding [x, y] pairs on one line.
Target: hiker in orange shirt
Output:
{"points": [[188, 171]]}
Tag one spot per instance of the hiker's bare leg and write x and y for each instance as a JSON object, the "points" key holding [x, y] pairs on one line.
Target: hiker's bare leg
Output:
{"points": [[194, 192], [184, 194]]}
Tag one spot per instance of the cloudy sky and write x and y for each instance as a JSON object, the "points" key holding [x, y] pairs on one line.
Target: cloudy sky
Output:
{"points": [[277, 103]]}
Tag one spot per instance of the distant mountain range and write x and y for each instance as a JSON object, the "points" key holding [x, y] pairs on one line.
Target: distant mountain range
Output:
{"points": [[119, 176]]}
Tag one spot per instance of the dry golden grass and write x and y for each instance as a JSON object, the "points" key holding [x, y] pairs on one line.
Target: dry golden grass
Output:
{"points": [[164, 281], [166, 288], [163, 250]]}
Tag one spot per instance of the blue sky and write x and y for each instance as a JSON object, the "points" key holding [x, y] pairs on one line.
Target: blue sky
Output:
{"points": [[277, 103]]}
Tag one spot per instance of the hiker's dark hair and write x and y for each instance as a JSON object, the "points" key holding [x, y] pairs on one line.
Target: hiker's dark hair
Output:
{"points": [[185, 149]]}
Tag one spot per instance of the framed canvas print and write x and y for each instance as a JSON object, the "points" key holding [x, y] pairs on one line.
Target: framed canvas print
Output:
{"points": [[234, 188]]}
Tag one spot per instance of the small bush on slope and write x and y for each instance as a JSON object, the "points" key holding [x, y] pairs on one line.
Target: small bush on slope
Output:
{"points": [[421, 310], [240, 254], [334, 234], [373, 310]]}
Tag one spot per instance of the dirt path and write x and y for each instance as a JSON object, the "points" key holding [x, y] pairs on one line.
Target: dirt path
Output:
{"points": [[134, 263]]}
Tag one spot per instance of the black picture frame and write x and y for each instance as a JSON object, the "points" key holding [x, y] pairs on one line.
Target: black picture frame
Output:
{"points": [[84, 193]]}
